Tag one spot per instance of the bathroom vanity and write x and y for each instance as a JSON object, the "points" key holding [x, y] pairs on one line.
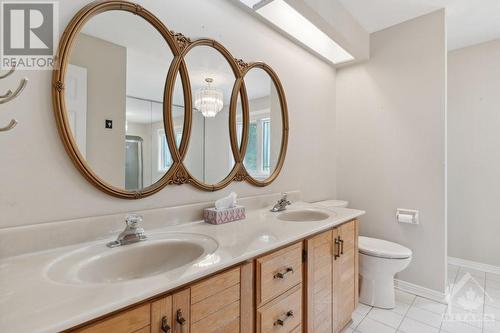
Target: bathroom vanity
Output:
{"points": [[291, 271], [310, 285]]}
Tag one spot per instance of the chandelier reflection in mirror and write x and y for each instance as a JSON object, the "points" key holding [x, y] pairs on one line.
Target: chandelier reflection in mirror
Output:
{"points": [[208, 100]]}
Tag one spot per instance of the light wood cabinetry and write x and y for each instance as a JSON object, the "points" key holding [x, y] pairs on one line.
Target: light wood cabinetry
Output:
{"points": [[332, 278], [278, 272], [162, 315], [181, 306], [215, 304], [346, 274], [130, 321], [279, 290], [310, 286], [283, 314], [171, 314], [319, 281]]}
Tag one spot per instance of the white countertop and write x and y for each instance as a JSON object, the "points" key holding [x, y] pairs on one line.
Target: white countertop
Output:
{"points": [[30, 301]]}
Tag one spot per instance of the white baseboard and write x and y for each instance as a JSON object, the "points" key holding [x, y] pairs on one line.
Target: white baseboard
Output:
{"points": [[474, 265], [420, 291]]}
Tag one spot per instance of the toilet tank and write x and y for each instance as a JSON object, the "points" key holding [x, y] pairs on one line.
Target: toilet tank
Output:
{"points": [[332, 203]]}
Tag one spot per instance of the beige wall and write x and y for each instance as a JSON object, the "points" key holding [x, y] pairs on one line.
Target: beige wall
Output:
{"points": [[473, 152], [391, 139], [106, 65], [194, 155], [219, 160], [39, 183]]}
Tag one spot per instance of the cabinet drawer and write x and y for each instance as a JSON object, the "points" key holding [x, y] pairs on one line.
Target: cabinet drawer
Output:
{"points": [[146, 329], [214, 285], [278, 272], [225, 320], [283, 314], [126, 322], [215, 303]]}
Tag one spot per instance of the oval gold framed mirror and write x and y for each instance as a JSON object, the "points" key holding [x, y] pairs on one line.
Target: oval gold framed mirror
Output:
{"points": [[211, 157], [139, 107], [108, 95], [267, 125]]}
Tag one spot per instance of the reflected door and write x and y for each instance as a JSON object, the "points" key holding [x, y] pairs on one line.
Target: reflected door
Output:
{"points": [[76, 101], [133, 163]]}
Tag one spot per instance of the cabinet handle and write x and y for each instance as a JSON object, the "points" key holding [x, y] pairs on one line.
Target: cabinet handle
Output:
{"points": [[281, 321], [341, 245], [180, 318], [337, 248], [164, 325], [282, 274]]}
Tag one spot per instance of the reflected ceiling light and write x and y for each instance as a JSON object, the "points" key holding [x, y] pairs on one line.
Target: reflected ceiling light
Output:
{"points": [[286, 18], [209, 101]]}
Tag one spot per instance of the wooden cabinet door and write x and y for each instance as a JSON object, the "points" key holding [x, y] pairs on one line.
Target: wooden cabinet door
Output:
{"points": [[162, 315], [181, 311], [345, 274], [319, 283]]}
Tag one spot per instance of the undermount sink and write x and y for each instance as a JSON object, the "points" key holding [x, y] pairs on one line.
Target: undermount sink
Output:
{"points": [[160, 253], [304, 215]]}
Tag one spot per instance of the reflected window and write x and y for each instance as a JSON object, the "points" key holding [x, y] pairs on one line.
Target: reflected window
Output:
{"points": [[266, 146], [165, 159], [258, 155]]}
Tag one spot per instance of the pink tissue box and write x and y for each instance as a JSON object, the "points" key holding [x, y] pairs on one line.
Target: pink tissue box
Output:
{"points": [[214, 216]]}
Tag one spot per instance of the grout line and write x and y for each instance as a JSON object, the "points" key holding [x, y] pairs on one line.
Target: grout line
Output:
{"points": [[451, 294], [484, 304], [363, 318], [462, 268], [459, 270], [406, 313]]}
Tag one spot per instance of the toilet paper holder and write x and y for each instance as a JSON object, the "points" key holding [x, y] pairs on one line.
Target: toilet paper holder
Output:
{"points": [[410, 216]]}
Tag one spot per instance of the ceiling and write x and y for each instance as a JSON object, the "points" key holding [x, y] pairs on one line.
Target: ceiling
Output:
{"points": [[468, 22]]}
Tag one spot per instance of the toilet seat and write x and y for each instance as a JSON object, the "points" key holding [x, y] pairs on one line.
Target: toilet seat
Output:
{"points": [[382, 249]]}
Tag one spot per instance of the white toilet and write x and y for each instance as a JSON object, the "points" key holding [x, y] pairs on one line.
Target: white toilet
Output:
{"points": [[379, 261]]}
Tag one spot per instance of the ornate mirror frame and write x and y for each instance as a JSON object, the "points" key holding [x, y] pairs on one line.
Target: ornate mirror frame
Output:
{"points": [[180, 46]]}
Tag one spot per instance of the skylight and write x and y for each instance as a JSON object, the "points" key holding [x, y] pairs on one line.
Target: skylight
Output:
{"points": [[286, 18]]}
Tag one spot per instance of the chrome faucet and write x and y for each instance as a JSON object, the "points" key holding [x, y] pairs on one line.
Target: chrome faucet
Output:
{"points": [[133, 233], [281, 204]]}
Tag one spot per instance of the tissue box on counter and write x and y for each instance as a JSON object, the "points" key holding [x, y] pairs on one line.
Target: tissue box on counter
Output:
{"points": [[226, 215]]}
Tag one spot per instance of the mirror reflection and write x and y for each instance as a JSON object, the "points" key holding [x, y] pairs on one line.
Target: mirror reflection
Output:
{"points": [[114, 98], [265, 128], [209, 157]]}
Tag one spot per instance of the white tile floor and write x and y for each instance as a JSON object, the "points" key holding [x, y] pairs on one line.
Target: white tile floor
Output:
{"points": [[474, 307]]}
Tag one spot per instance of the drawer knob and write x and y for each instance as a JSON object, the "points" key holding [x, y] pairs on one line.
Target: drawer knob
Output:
{"points": [[180, 318], [281, 321], [282, 274], [164, 325]]}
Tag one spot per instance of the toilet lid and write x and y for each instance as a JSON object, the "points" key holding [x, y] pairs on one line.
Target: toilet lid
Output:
{"points": [[332, 203], [382, 249]]}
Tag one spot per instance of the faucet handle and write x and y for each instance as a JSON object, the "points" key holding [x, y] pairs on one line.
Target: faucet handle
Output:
{"points": [[133, 220], [284, 196]]}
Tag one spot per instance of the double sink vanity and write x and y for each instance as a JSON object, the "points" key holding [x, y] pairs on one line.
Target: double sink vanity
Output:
{"points": [[289, 271]]}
